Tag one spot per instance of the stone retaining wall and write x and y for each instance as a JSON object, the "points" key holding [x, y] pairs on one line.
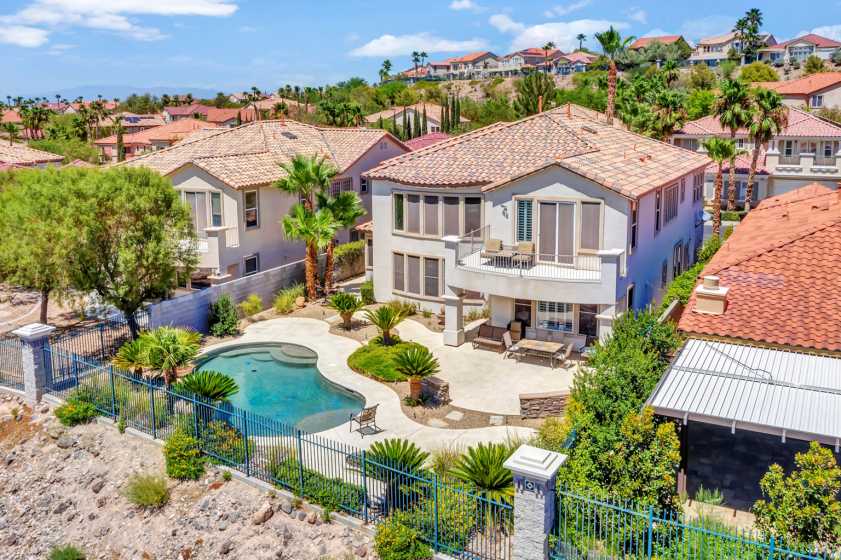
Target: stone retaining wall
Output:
{"points": [[541, 405]]}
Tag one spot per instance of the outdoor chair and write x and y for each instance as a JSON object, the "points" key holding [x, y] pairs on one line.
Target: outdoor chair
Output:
{"points": [[524, 255], [510, 348], [491, 337], [564, 354], [366, 418], [493, 247]]}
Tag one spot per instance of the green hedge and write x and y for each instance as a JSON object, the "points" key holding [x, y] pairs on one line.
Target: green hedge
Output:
{"points": [[330, 493], [348, 252], [376, 360]]}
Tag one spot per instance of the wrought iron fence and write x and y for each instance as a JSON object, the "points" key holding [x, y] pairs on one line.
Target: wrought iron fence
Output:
{"points": [[100, 341], [450, 516], [11, 366], [596, 529]]}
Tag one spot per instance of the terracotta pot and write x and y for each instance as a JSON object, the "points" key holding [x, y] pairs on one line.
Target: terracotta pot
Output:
{"points": [[415, 388]]}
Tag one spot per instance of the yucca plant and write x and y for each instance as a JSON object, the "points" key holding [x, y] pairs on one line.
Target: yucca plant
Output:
{"points": [[416, 363], [385, 318], [346, 304], [212, 385], [482, 466], [398, 453], [397, 462], [132, 356]]}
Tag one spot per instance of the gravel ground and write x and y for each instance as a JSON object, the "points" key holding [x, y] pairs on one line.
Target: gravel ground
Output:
{"points": [[63, 486]]}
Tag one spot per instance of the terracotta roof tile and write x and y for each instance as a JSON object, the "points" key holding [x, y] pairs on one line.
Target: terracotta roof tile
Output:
{"points": [[643, 42], [170, 132], [780, 266], [806, 85], [188, 110], [20, 154], [426, 140], [570, 137], [800, 123]]}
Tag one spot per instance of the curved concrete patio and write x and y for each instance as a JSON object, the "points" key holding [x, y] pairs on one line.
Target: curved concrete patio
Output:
{"points": [[333, 352]]}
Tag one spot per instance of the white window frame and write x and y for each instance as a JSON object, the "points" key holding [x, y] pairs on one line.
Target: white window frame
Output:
{"points": [[670, 203], [440, 211], [556, 312], [421, 277], [256, 209], [816, 101], [245, 259], [218, 195], [363, 185]]}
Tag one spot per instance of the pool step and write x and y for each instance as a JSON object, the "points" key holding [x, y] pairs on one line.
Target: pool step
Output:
{"points": [[294, 355]]}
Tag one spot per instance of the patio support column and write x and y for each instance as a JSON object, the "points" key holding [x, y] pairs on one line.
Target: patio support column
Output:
{"points": [[33, 338], [535, 471], [453, 319]]}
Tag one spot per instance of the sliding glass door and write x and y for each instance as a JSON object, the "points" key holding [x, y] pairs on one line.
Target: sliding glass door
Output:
{"points": [[556, 241]]}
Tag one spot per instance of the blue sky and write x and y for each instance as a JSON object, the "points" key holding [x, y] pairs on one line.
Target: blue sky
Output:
{"points": [[50, 45]]}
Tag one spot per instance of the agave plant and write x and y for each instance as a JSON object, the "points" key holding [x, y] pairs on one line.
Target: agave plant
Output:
{"points": [[416, 363], [346, 304], [482, 466], [212, 385], [398, 453], [132, 356], [385, 318]]}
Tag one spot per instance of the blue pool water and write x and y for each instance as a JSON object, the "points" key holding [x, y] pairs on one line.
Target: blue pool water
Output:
{"points": [[281, 381]]}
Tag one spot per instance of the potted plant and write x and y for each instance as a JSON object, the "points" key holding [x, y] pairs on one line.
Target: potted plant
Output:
{"points": [[346, 304], [416, 363]]}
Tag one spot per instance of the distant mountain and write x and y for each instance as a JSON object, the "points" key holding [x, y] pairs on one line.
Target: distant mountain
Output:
{"points": [[112, 91]]}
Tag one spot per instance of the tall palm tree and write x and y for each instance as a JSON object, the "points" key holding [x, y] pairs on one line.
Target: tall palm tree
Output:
{"points": [[316, 229], [345, 208], [580, 38], [613, 45], [385, 70], [671, 71], [305, 177], [719, 150], [169, 349], [733, 107], [547, 48], [770, 117], [11, 129], [416, 58]]}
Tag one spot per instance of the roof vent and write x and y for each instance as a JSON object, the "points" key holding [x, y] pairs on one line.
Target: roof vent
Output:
{"points": [[289, 135], [711, 297], [589, 129]]}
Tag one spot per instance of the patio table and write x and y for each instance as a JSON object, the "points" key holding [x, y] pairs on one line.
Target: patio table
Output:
{"points": [[541, 348]]}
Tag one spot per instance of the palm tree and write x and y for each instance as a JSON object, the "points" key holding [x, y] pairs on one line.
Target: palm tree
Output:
{"points": [[385, 318], [11, 130], [483, 467], [734, 109], [346, 304], [316, 229], [719, 150], [169, 349], [416, 363], [770, 117], [346, 208], [547, 48], [416, 60], [306, 176], [671, 72], [423, 57], [580, 38], [613, 46], [211, 385]]}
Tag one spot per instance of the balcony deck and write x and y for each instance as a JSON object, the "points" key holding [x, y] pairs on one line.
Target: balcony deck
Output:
{"points": [[582, 268]]}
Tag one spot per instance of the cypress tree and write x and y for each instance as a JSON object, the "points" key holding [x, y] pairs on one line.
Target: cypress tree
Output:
{"points": [[239, 118], [425, 125], [445, 125], [380, 123], [406, 130], [121, 149], [452, 118], [394, 124], [416, 124], [456, 113]]}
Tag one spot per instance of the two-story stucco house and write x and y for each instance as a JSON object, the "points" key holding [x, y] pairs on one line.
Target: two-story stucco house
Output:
{"points": [[799, 49], [807, 150], [712, 51], [817, 91], [558, 221], [471, 66], [227, 176]]}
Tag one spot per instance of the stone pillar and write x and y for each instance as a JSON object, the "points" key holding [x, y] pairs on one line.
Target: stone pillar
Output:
{"points": [[34, 337], [534, 471], [453, 320]]}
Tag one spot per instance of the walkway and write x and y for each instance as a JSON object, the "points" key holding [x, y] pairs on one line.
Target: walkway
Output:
{"points": [[333, 352]]}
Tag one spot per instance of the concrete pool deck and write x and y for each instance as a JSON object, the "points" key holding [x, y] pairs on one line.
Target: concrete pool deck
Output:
{"points": [[333, 352]]}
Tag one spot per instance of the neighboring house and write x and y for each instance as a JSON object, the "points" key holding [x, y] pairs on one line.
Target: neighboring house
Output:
{"points": [[760, 374], [228, 118], [807, 150], [712, 51], [601, 220], [21, 155], [267, 105], [227, 176], [151, 139], [519, 62], [578, 61], [11, 116], [643, 42], [426, 140], [799, 49], [433, 115], [815, 91], [137, 123], [192, 111], [473, 66]]}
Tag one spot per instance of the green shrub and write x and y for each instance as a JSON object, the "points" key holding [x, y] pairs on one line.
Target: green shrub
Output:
{"points": [[553, 435], [731, 216], [404, 308], [483, 467], [223, 317], [712, 497], [346, 253], [70, 148], [132, 400], [223, 443], [443, 460], [395, 541], [75, 411], [252, 305], [184, 460], [377, 360], [331, 493], [147, 490], [398, 453], [285, 300], [66, 552], [458, 518], [681, 287], [366, 292]]}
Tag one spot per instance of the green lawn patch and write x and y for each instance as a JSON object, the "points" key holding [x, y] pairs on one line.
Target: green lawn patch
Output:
{"points": [[375, 360]]}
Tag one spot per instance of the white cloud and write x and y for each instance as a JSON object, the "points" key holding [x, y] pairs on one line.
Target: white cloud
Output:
{"points": [[831, 31], [395, 45], [461, 5], [708, 26], [22, 36], [59, 48], [637, 14], [564, 9], [505, 24], [656, 32], [108, 15]]}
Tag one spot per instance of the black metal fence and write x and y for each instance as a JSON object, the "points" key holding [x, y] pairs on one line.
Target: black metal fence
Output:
{"points": [[99, 341], [452, 517]]}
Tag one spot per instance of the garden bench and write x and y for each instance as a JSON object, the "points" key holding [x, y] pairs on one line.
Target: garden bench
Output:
{"points": [[491, 337]]}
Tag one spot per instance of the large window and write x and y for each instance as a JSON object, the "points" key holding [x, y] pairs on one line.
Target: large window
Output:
{"points": [[671, 204], [422, 276], [590, 225], [431, 285], [198, 210], [816, 101], [587, 322], [524, 220], [554, 316], [399, 272], [677, 259], [251, 264], [413, 274], [697, 187], [345, 184], [452, 205], [398, 212], [430, 215], [251, 209], [216, 209], [413, 203], [472, 214]]}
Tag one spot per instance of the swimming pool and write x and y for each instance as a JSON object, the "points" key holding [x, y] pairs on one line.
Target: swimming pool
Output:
{"points": [[281, 381]]}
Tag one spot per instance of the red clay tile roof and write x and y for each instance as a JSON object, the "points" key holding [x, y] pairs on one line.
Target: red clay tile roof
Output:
{"points": [[219, 116], [188, 110], [170, 132], [11, 116], [580, 56], [806, 85], [643, 42], [817, 40], [21, 154], [570, 137], [781, 267], [426, 140], [470, 57], [800, 123]]}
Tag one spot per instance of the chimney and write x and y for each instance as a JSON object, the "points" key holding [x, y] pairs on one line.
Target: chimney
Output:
{"points": [[710, 297], [539, 103]]}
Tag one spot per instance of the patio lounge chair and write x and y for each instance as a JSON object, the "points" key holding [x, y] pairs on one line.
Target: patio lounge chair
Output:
{"points": [[491, 337], [524, 256], [493, 247], [366, 418], [563, 356], [510, 348]]}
